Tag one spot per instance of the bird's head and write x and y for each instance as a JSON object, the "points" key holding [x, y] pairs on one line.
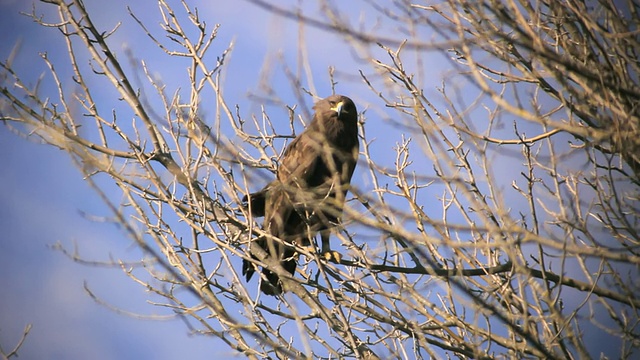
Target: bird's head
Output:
{"points": [[339, 104], [342, 105]]}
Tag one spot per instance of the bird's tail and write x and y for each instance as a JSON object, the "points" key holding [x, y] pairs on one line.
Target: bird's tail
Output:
{"points": [[271, 284]]}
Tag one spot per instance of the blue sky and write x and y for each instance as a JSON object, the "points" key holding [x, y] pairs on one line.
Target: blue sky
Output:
{"points": [[44, 200]]}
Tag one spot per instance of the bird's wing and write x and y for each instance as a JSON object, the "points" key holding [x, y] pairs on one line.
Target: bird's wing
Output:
{"points": [[299, 161]]}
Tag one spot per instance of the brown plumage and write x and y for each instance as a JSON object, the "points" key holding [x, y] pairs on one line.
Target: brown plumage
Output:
{"points": [[310, 187]]}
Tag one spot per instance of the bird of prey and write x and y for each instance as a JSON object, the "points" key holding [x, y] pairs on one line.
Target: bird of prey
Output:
{"points": [[308, 194]]}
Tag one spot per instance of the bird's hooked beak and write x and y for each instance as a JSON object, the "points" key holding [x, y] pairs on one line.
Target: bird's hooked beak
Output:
{"points": [[338, 107]]}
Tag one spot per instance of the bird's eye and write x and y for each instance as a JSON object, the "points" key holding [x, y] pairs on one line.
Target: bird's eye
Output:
{"points": [[333, 103]]}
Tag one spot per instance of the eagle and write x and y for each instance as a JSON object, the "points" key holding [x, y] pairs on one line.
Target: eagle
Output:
{"points": [[308, 194]]}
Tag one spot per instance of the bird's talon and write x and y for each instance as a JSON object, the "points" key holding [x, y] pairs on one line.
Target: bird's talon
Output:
{"points": [[332, 256]]}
